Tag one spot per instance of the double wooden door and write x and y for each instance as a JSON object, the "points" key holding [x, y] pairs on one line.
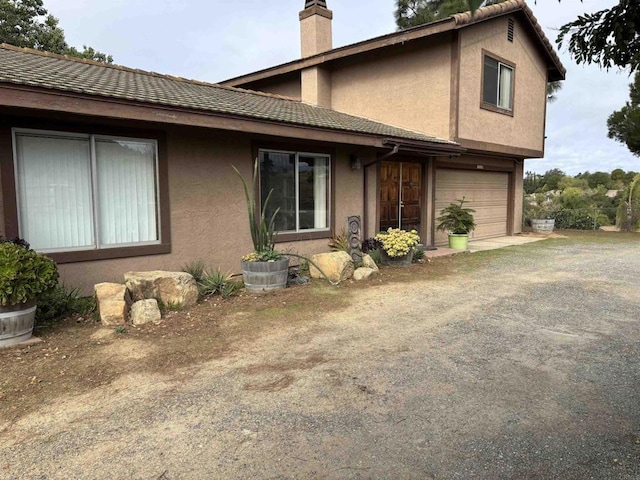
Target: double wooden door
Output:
{"points": [[400, 195]]}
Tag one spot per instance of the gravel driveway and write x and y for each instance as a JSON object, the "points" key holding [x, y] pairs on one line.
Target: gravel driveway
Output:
{"points": [[524, 364]]}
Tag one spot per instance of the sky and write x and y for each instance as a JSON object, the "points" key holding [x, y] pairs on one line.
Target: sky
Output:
{"points": [[214, 40]]}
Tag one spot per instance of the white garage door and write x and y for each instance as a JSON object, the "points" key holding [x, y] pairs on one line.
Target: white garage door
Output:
{"points": [[486, 192]]}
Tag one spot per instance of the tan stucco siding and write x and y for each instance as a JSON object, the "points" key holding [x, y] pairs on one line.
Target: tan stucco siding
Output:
{"points": [[525, 129], [407, 88], [289, 86], [208, 211]]}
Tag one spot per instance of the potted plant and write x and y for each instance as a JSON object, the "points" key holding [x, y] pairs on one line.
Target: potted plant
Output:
{"points": [[397, 246], [24, 274], [458, 222], [264, 269], [541, 220]]}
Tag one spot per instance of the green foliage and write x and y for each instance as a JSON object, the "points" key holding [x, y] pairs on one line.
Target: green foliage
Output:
{"points": [[376, 256], [60, 302], [120, 330], [624, 124], [456, 219], [398, 243], [262, 230], [213, 282], [418, 255], [628, 214], [608, 37], [576, 219], [196, 269], [411, 13], [340, 242], [24, 274], [26, 23]]}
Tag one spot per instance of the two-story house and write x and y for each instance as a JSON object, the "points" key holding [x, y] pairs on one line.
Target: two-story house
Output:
{"points": [[109, 169]]}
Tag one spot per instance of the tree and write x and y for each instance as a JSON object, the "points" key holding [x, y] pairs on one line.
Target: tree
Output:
{"points": [[410, 13], [551, 178], [607, 38], [624, 124], [26, 23]]}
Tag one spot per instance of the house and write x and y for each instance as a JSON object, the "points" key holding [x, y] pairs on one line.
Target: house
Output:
{"points": [[109, 169]]}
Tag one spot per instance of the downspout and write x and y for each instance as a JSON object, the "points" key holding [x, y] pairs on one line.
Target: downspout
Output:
{"points": [[365, 220]]}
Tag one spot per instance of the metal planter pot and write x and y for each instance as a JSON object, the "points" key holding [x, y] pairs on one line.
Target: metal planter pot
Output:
{"points": [[404, 261], [263, 277], [540, 225], [16, 323]]}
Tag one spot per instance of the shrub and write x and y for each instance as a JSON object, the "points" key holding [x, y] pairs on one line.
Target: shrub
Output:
{"points": [[196, 269], [217, 282], [24, 274], [371, 245], [575, 219], [60, 302], [397, 242], [339, 243], [456, 219]]}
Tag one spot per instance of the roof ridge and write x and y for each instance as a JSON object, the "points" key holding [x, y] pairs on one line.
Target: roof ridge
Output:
{"points": [[123, 68]]}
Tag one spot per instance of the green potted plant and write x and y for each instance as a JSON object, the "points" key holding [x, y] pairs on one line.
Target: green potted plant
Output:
{"points": [[264, 269], [397, 246], [458, 222], [24, 274]]}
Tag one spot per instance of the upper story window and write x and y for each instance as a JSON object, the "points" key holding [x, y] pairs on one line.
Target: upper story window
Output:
{"points": [[301, 189], [497, 86], [86, 192]]}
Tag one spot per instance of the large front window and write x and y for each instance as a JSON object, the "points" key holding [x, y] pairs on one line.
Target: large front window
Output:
{"points": [[497, 83], [299, 183], [81, 192]]}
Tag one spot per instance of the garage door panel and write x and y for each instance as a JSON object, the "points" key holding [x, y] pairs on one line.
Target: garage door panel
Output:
{"points": [[485, 192]]}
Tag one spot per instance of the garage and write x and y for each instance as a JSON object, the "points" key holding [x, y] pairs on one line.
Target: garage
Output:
{"points": [[486, 192]]}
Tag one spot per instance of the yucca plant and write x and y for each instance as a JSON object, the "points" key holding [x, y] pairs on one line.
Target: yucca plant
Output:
{"points": [[263, 232]]}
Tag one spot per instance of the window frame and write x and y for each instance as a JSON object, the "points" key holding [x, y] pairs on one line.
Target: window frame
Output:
{"points": [[97, 251], [312, 233], [501, 63]]}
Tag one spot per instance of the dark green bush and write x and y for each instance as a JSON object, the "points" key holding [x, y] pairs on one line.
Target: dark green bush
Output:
{"points": [[575, 219], [24, 274], [60, 302]]}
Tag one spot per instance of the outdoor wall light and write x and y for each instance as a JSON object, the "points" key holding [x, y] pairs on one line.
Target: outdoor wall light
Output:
{"points": [[355, 162]]}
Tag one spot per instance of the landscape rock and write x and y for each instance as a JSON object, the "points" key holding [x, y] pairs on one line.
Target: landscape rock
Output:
{"points": [[112, 303], [368, 262], [364, 273], [170, 288], [145, 311], [337, 266]]}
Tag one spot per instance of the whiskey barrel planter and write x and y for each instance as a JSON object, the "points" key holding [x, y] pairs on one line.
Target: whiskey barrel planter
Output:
{"points": [[263, 277], [404, 261], [539, 225], [16, 323]]}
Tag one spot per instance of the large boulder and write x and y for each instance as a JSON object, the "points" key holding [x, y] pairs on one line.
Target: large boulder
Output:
{"points": [[337, 266], [145, 311], [364, 273], [112, 303], [178, 289], [368, 262]]}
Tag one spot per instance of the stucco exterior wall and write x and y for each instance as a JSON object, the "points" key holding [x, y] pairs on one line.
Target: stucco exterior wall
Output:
{"points": [[289, 86], [208, 211], [525, 129], [408, 88]]}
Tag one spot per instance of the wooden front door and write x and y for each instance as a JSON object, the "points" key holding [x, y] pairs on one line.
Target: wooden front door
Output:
{"points": [[400, 195]]}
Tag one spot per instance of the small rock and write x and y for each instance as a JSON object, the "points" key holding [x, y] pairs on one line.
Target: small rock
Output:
{"points": [[145, 311], [112, 303], [368, 262], [364, 273], [337, 266]]}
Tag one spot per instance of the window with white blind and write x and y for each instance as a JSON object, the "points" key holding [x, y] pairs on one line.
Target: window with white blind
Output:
{"points": [[82, 192], [299, 183], [497, 85]]}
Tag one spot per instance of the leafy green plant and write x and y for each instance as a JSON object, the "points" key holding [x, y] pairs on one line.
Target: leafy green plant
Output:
{"points": [[456, 219], [121, 329], [340, 242], [213, 282], [60, 302], [418, 255], [262, 229], [376, 256], [196, 269], [24, 274], [229, 289]]}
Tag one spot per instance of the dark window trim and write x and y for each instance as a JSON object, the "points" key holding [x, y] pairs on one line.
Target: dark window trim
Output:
{"points": [[489, 106], [306, 147], [9, 187]]}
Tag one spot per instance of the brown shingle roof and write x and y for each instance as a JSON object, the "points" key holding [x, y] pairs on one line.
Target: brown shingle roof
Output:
{"points": [[39, 69]]}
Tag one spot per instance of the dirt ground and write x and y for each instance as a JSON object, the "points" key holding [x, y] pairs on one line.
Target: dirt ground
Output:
{"points": [[517, 363]]}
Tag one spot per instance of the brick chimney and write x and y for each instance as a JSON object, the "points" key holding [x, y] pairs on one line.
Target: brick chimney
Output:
{"points": [[315, 28], [316, 37]]}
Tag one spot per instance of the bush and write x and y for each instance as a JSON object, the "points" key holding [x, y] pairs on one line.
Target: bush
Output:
{"points": [[24, 274], [575, 219], [60, 302]]}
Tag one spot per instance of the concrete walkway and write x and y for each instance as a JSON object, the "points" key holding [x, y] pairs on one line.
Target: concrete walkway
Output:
{"points": [[482, 245]]}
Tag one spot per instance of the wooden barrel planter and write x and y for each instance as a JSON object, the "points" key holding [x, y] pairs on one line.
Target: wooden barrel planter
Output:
{"points": [[540, 225], [404, 261], [16, 323], [263, 277]]}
